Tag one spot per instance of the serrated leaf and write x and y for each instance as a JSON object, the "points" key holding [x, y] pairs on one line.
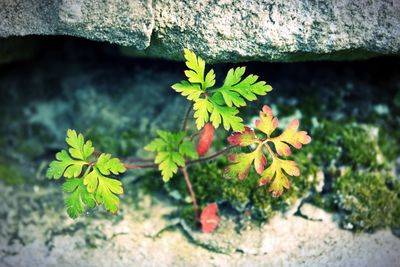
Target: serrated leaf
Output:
{"points": [[267, 122], [279, 169], [242, 162], [235, 91], [79, 149], [226, 116], [172, 153], [245, 138], [188, 90], [276, 173], [187, 149], [218, 106], [202, 108], [107, 191], [157, 144], [196, 66], [240, 166], [210, 79], [108, 165], [168, 163], [64, 165], [290, 136], [78, 197]]}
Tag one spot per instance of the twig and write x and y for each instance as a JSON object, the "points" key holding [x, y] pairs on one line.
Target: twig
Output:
{"points": [[213, 156], [134, 166], [190, 162], [189, 185], [186, 118]]}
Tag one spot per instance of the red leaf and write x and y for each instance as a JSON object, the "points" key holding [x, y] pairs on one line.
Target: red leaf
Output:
{"points": [[206, 139], [209, 218]]}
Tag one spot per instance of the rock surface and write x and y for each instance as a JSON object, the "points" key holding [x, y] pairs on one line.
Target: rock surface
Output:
{"points": [[36, 232], [221, 31]]}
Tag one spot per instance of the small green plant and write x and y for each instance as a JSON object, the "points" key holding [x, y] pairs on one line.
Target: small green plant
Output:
{"points": [[90, 175]]}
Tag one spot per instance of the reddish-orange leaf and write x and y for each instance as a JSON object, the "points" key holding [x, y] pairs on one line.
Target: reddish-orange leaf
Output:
{"points": [[290, 136], [209, 218], [267, 122], [206, 139], [245, 138]]}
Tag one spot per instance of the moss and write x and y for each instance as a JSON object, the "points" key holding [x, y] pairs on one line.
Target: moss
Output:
{"points": [[366, 201], [389, 144], [342, 144], [210, 185], [11, 174]]}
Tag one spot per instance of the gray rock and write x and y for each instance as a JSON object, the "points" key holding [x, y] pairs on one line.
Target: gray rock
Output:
{"points": [[221, 31], [123, 22]]}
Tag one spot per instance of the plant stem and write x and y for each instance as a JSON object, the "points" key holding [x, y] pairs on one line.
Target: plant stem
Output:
{"points": [[269, 149], [190, 162], [189, 185], [186, 118], [134, 166], [213, 156]]}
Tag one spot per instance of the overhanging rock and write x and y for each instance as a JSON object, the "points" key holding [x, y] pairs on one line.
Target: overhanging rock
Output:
{"points": [[220, 31]]}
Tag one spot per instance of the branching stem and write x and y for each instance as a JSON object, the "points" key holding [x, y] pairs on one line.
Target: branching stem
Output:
{"points": [[189, 162]]}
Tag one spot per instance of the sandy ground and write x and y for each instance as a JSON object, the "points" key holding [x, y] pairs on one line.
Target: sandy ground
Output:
{"points": [[35, 231]]}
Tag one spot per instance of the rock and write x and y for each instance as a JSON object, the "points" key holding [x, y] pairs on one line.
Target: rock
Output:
{"points": [[313, 213], [221, 31], [123, 22]]}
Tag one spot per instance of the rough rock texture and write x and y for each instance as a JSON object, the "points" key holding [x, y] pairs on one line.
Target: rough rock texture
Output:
{"points": [[126, 22], [226, 30], [35, 232]]}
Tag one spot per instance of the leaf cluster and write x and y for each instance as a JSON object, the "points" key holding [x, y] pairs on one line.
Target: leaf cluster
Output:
{"points": [[276, 173], [87, 179], [218, 105], [171, 149]]}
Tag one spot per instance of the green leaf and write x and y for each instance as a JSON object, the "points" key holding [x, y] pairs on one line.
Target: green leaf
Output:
{"points": [[218, 106], [157, 144], [226, 115], [235, 91], [187, 149], [210, 79], [78, 197], [171, 152], [79, 149], [106, 192], [90, 185], [202, 107], [196, 66], [106, 165], [65, 165], [105, 188], [188, 90], [168, 163]]}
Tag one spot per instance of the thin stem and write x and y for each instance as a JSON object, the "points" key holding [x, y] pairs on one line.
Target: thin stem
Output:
{"points": [[186, 118], [269, 149], [133, 166], [189, 186], [132, 159], [213, 156], [190, 162]]}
